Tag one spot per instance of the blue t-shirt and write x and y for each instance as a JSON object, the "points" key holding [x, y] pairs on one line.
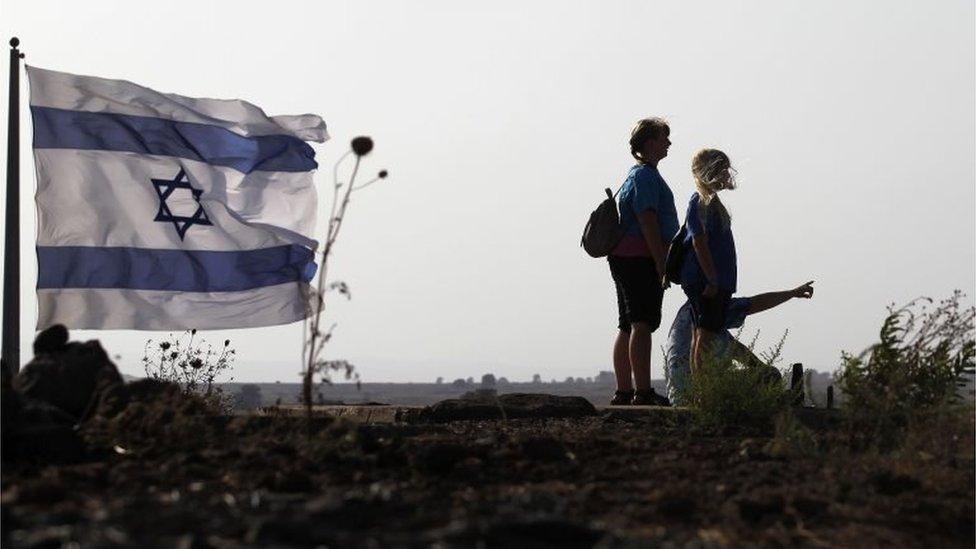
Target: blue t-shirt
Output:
{"points": [[643, 190], [720, 243]]}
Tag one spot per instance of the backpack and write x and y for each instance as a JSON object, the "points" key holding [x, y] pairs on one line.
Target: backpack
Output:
{"points": [[676, 256], [603, 231]]}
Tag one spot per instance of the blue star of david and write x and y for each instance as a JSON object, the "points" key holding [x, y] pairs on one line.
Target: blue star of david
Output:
{"points": [[164, 188]]}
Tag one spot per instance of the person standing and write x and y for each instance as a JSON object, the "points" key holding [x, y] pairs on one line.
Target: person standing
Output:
{"points": [[650, 221], [709, 273]]}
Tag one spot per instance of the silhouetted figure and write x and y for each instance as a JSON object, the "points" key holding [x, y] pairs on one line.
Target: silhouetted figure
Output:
{"points": [[678, 348], [708, 276], [650, 221]]}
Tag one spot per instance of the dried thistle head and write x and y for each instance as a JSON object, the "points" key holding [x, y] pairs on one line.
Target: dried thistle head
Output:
{"points": [[362, 145]]}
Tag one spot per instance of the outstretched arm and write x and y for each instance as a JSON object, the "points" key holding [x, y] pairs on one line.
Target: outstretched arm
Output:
{"points": [[763, 302]]}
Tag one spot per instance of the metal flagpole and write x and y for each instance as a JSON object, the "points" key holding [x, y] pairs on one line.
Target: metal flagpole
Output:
{"points": [[11, 256]]}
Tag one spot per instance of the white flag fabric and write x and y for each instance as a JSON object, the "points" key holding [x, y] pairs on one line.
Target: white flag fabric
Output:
{"points": [[161, 212]]}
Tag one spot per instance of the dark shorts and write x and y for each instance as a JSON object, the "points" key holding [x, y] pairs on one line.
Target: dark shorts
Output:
{"points": [[639, 292], [708, 313]]}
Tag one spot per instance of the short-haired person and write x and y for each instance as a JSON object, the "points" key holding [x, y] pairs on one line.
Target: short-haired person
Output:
{"points": [[678, 347], [650, 221], [708, 276]]}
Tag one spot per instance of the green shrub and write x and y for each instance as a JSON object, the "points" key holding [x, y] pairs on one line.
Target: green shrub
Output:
{"points": [[912, 372], [727, 397]]}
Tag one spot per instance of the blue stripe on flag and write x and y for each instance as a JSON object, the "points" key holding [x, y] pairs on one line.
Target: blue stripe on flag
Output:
{"points": [[175, 270], [66, 129]]}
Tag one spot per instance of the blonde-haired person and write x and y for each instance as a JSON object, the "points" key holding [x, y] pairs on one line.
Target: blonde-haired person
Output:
{"points": [[650, 221], [709, 274]]}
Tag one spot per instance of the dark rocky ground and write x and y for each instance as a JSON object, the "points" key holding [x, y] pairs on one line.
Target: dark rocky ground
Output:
{"points": [[146, 466], [576, 482]]}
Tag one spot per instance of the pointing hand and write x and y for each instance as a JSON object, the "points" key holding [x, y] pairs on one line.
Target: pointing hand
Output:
{"points": [[805, 291]]}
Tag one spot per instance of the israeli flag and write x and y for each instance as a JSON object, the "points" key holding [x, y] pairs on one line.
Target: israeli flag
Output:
{"points": [[162, 212]]}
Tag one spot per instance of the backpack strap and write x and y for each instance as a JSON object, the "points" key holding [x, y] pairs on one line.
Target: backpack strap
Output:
{"points": [[613, 195]]}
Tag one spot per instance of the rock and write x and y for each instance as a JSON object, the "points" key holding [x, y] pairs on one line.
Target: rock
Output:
{"points": [[71, 376], [52, 340], [515, 405]]}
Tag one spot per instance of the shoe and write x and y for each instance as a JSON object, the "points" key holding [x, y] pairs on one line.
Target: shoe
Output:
{"points": [[622, 398], [649, 398]]}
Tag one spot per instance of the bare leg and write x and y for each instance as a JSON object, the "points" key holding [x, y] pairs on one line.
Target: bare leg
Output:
{"points": [[743, 354], [704, 346], [747, 358], [640, 354], [621, 362]]}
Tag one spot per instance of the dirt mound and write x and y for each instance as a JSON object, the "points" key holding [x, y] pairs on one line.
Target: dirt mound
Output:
{"points": [[69, 404], [150, 417], [44, 402]]}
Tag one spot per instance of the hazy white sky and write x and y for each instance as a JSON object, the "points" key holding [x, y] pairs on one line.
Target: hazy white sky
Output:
{"points": [[852, 125]]}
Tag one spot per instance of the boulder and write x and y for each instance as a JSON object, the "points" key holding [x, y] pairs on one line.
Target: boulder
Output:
{"points": [[51, 340], [72, 376], [510, 406]]}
